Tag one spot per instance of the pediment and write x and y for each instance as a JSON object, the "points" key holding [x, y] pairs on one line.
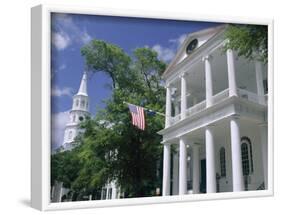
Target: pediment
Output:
{"points": [[192, 42]]}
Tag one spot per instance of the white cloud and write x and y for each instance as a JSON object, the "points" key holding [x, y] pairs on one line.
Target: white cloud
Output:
{"points": [[60, 40], [67, 32], [178, 41], [66, 91], [165, 54], [59, 121], [85, 37], [62, 67]]}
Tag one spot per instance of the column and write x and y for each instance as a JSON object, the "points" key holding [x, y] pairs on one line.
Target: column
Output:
{"points": [[176, 172], [168, 106], [259, 80], [166, 170], [196, 167], [237, 171], [114, 190], [182, 167], [183, 95], [208, 81], [107, 191], [264, 148], [231, 73], [210, 160]]}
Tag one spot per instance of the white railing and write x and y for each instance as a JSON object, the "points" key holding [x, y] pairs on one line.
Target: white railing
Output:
{"points": [[221, 96], [195, 109], [175, 119], [218, 98], [253, 97]]}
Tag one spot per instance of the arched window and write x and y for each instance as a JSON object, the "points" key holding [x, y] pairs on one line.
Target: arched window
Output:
{"points": [[222, 162], [77, 103], [83, 103], [70, 135], [74, 118], [247, 156]]}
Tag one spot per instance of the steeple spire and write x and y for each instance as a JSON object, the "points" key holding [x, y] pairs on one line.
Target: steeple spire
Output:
{"points": [[83, 85]]}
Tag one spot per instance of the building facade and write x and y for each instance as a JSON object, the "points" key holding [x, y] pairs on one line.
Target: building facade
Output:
{"points": [[215, 135]]}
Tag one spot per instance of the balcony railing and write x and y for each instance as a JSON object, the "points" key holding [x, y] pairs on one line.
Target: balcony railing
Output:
{"points": [[175, 119], [218, 98], [253, 97]]}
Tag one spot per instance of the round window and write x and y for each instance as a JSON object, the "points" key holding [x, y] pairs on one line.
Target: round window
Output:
{"points": [[191, 46]]}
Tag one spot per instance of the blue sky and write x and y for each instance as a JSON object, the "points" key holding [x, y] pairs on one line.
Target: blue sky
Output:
{"points": [[70, 32]]}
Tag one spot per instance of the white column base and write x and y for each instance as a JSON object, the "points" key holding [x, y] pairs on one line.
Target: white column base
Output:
{"points": [[175, 176], [182, 167], [210, 161], [166, 170], [264, 148], [237, 171], [195, 170]]}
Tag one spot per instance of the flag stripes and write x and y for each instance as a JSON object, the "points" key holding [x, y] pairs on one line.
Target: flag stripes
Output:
{"points": [[137, 113]]}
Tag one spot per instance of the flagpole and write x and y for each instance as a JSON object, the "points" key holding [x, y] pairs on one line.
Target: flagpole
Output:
{"points": [[145, 108]]}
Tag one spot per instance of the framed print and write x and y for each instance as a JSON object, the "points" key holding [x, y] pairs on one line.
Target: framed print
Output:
{"points": [[136, 107]]}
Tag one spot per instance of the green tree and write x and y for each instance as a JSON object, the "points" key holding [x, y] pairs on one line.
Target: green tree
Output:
{"points": [[108, 58], [65, 167], [111, 148], [118, 150], [248, 40]]}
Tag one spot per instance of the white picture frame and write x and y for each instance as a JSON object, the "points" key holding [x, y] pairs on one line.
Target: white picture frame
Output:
{"points": [[41, 114]]}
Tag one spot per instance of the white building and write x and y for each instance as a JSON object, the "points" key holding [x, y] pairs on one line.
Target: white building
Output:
{"points": [[215, 135], [78, 113]]}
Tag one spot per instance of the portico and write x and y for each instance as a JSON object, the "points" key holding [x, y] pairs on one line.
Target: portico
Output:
{"points": [[209, 95]]}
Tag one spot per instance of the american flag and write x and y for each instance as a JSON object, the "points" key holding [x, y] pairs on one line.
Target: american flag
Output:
{"points": [[137, 116]]}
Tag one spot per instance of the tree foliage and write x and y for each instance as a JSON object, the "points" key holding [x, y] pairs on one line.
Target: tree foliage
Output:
{"points": [[109, 58], [248, 40], [112, 149]]}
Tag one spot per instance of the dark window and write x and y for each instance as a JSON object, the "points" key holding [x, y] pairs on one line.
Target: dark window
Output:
{"points": [[103, 193], [222, 162], [247, 156], [70, 135], [265, 86], [110, 193], [82, 103], [245, 159]]}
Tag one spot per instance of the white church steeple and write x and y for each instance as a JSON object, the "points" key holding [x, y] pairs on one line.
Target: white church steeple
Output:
{"points": [[83, 85], [79, 111]]}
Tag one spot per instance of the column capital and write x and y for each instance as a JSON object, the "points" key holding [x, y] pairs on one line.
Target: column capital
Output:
{"points": [[235, 116], [195, 144], [181, 138], [168, 85], [183, 75], [166, 143], [210, 126], [207, 58]]}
